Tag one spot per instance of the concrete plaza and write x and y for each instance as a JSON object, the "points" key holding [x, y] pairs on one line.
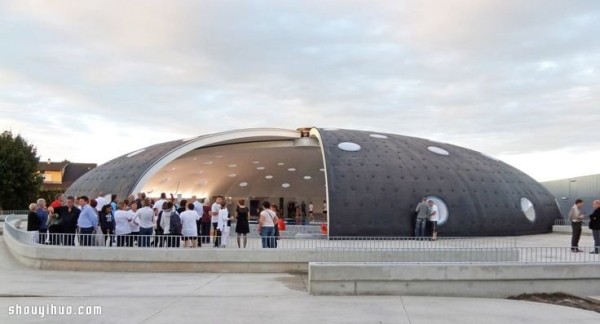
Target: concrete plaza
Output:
{"points": [[127, 297]]}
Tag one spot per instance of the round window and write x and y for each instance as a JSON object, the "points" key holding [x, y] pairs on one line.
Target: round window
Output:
{"points": [[528, 209]]}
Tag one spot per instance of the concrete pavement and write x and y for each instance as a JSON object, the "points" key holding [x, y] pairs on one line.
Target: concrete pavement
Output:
{"points": [[239, 298]]}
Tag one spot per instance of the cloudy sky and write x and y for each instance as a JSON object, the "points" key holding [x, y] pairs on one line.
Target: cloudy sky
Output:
{"points": [[91, 80]]}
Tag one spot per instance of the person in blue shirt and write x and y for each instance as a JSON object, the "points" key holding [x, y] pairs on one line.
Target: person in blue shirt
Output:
{"points": [[42, 214], [87, 222]]}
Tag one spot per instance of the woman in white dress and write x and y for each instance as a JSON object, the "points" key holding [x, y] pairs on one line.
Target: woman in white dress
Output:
{"points": [[224, 224]]}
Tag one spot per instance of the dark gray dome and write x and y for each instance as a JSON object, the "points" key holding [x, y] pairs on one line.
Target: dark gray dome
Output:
{"points": [[373, 181]]}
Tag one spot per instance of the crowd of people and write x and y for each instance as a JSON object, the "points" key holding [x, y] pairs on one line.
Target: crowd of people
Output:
{"points": [[143, 222]]}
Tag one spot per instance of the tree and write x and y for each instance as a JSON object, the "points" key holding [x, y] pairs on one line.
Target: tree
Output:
{"points": [[20, 180]]}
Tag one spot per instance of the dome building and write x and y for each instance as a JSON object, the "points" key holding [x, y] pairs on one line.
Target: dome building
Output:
{"points": [[370, 182]]}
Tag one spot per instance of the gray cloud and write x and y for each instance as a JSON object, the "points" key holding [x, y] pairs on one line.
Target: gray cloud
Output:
{"points": [[506, 77]]}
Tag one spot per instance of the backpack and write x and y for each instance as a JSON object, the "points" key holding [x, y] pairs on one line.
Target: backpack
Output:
{"points": [[175, 226]]}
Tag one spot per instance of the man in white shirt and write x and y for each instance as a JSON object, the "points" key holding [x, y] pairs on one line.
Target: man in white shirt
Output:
{"points": [[158, 205], [311, 209], [146, 217], [101, 201], [214, 212], [576, 215], [434, 217], [189, 229]]}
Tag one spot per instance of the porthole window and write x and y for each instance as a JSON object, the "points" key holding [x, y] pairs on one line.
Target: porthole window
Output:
{"points": [[349, 147], [528, 209], [438, 150], [442, 209]]}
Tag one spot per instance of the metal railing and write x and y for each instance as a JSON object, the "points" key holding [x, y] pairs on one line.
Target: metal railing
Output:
{"points": [[567, 222], [339, 249]]}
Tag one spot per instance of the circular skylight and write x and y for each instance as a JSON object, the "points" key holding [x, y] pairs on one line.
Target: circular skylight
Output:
{"points": [[528, 209], [135, 153], [260, 168], [292, 169], [268, 176], [442, 209], [285, 185], [307, 177], [438, 150], [232, 175], [243, 184], [233, 165], [256, 162], [349, 146], [280, 163], [378, 136]]}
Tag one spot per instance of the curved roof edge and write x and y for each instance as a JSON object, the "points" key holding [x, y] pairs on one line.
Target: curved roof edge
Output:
{"points": [[222, 138]]}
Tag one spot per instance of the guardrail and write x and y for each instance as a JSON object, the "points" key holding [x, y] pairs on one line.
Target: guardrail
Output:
{"points": [[254, 241], [320, 249], [567, 222]]}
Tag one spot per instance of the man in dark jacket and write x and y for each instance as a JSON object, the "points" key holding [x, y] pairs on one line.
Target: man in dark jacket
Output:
{"points": [[69, 215], [595, 226]]}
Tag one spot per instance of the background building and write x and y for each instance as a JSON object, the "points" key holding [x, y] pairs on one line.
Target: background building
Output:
{"points": [[61, 175], [566, 191]]}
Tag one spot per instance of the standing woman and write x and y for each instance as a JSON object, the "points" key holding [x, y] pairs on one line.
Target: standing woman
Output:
{"points": [[165, 223], [33, 221], [135, 223], [242, 228], [42, 214], [266, 225], [107, 224], [595, 226], [224, 224]]}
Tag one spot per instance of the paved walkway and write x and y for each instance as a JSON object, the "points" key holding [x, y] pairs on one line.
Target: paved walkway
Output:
{"points": [[240, 298]]}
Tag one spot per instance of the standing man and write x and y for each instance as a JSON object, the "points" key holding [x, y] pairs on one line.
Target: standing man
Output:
{"points": [[434, 217], [198, 209], [423, 212], [87, 221], [159, 204], [595, 226], [311, 210], [576, 216], [101, 201], [69, 215], [146, 217], [214, 213], [59, 200]]}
